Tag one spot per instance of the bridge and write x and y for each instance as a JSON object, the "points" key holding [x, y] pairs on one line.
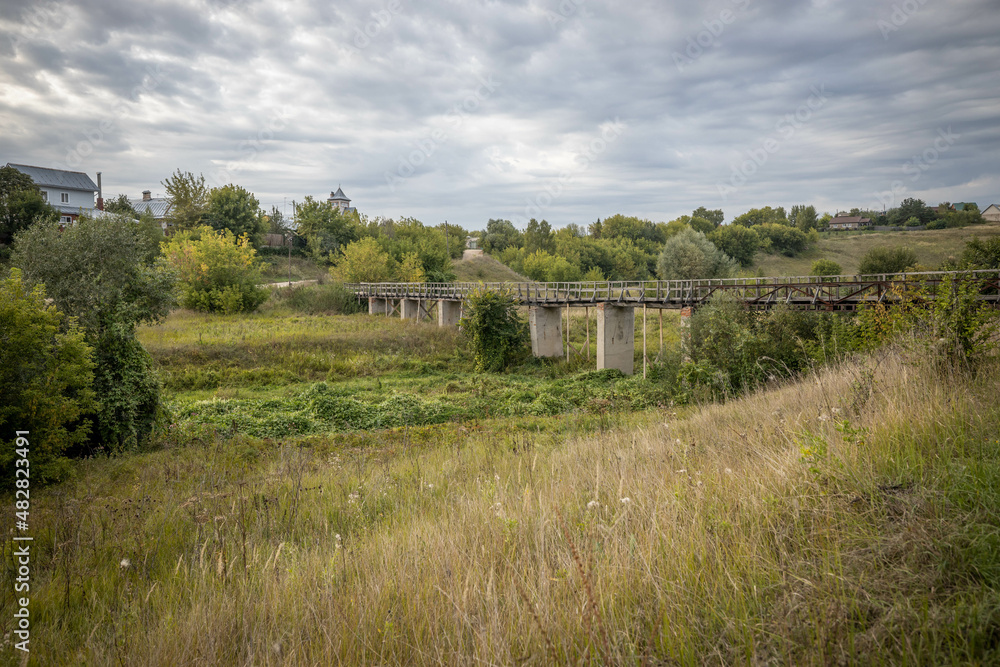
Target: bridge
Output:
{"points": [[615, 301]]}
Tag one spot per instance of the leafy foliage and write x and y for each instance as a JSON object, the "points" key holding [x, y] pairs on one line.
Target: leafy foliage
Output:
{"points": [[217, 270], [498, 334], [21, 203], [102, 272], [826, 267], [237, 210], [189, 200], [121, 205], [982, 254], [691, 255], [885, 259], [740, 243], [326, 228], [46, 378]]}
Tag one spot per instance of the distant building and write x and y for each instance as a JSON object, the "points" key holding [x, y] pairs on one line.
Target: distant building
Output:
{"points": [[71, 193], [992, 213], [843, 222], [472, 242], [339, 200], [158, 207]]}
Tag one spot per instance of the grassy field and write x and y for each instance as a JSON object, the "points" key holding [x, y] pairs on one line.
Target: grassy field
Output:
{"points": [[485, 269], [846, 248], [276, 269], [849, 517]]}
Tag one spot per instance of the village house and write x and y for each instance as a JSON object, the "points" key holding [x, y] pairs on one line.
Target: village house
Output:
{"points": [[71, 193], [844, 222], [158, 207], [992, 213]]}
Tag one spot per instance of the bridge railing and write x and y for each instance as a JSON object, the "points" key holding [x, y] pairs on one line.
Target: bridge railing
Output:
{"points": [[830, 292]]}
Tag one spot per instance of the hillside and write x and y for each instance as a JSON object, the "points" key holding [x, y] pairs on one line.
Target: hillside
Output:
{"points": [[846, 248], [848, 516], [485, 269]]}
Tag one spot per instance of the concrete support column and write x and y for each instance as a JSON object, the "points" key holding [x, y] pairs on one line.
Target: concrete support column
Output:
{"points": [[545, 325], [616, 337], [409, 309], [377, 306], [449, 312]]}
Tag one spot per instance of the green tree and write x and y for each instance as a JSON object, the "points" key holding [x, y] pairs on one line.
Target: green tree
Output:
{"points": [[982, 254], [538, 236], [325, 228], [500, 235], [803, 217], [630, 227], [99, 271], [691, 255], [218, 271], [364, 261], [498, 334], [188, 200], [233, 208], [740, 243], [884, 259], [825, 267], [542, 266], [21, 204], [46, 380], [715, 216], [762, 216], [782, 239], [121, 205]]}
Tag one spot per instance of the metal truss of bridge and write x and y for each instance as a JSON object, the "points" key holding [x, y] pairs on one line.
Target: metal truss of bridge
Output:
{"points": [[615, 302]]}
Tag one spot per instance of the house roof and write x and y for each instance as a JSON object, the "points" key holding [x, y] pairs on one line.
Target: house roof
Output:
{"points": [[991, 206], [848, 219], [158, 206], [57, 178], [339, 194]]}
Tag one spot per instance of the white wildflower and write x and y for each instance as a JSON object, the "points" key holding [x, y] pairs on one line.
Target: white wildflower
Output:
{"points": [[593, 504], [681, 471], [626, 500], [126, 563], [336, 537], [729, 471]]}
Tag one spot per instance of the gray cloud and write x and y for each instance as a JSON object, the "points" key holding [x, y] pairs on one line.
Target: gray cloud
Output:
{"points": [[387, 99]]}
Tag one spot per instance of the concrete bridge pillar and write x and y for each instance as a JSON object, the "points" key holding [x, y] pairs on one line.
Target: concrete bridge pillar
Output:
{"points": [[616, 337], [545, 325], [409, 309], [449, 313], [377, 306]]}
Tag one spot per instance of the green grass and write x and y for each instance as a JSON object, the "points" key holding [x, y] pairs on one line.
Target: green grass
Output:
{"points": [[848, 517], [485, 269], [847, 248], [276, 269]]}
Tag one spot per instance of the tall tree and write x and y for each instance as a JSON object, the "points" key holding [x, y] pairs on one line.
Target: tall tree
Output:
{"points": [[233, 208], [715, 216], [538, 236], [325, 228], [803, 217], [188, 199], [121, 205], [500, 235], [21, 203]]}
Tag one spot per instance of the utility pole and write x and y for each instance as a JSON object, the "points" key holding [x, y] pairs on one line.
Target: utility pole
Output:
{"points": [[447, 243]]}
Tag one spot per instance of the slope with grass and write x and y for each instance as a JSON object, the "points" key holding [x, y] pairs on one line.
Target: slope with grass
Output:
{"points": [[847, 248], [851, 516], [485, 268]]}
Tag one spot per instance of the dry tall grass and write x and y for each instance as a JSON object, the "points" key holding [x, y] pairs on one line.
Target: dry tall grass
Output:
{"points": [[822, 522]]}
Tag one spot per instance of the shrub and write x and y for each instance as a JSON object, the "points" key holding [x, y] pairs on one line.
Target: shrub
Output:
{"points": [[101, 272], [883, 259], [778, 238], [364, 261], [825, 267], [982, 254], [217, 270], [689, 255], [332, 299], [740, 243], [46, 378], [498, 334]]}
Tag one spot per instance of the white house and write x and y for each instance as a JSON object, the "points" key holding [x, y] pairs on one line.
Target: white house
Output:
{"points": [[339, 200], [70, 192], [992, 213]]}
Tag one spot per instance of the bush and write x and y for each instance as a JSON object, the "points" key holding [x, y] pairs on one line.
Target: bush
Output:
{"points": [[825, 267], [778, 238], [982, 254], [690, 255], [498, 334], [883, 259], [332, 299], [740, 243], [46, 378], [101, 272], [217, 270]]}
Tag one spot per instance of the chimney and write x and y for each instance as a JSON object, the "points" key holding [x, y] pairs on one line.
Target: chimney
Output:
{"points": [[146, 195], [100, 193]]}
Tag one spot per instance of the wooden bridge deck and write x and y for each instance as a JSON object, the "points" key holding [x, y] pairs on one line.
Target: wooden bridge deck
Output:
{"points": [[835, 293]]}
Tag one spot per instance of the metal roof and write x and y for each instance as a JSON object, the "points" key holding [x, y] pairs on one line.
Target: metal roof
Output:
{"points": [[158, 206], [339, 194], [57, 178], [66, 209]]}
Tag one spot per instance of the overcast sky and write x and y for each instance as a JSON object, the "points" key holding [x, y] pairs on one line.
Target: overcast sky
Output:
{"points": [[466, 110]]}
